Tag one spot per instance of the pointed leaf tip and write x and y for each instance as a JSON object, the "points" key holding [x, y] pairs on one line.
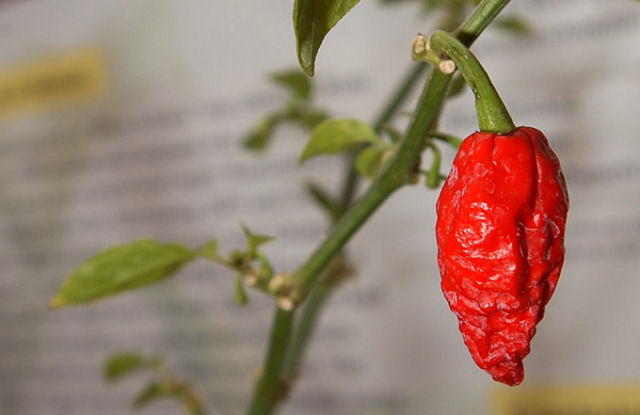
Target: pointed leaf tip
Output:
{"points": [[56, 302], [312, 20], [123, 363], [295, 81], [121, 268]]}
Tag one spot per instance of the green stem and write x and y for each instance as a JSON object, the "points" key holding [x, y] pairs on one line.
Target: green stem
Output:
{"points": [[387, 113], [452, 140], [432, 178], [492, 113], [306, 326], [481, 17], [320, 294], [350, 184], [410, 79], [394, 176], [270, 388]]}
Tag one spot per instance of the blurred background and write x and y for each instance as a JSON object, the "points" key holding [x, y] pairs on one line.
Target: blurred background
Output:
{"points": [[124, 119]]}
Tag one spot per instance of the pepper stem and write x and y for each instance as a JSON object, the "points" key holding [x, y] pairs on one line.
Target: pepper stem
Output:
{"points": [[492, 114]]}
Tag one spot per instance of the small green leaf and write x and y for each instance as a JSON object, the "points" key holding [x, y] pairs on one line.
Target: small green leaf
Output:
{"points": [[369, 161], [514, 24], [151, 392], [123, 363], [258, 139], [295, 81], [306, 116], [431, 5], [312, 20], [240, 295], [254, 240], [210, 252], [335, 135], [312, 117], [266, 270], [121, 268]]}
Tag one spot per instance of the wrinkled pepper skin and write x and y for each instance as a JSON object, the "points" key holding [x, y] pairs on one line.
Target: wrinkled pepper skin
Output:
{"points": [[500, 234]]}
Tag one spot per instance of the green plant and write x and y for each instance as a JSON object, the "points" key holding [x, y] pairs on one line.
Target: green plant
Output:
{"points": [[377, 152]]}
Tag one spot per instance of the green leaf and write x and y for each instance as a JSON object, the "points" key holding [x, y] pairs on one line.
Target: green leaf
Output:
{"points": [[431, 5], [369, 161], [121, 268], [266, 270], [123, 363], [295, 81], [151, 392], [312, 20], [210, 252], [258, 139], [514, 24], [312, 117], [254, 240], [335, 135], [306, 116]]}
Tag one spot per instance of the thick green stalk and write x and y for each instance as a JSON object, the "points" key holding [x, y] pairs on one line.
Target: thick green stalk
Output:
{"points": [[492, 113], [481, 17], [392, 178], [270, 388]]}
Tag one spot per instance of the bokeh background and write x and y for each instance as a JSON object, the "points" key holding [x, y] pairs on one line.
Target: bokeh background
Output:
{"points": [[141, 137]]}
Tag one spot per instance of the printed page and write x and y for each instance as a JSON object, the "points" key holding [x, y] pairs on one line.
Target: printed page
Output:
{"points": [[124, 120]]}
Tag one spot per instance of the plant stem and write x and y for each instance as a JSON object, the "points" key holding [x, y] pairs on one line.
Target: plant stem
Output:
{"points": [[394, 176], [452, 140], [390, 180], [306, 326], [492, 113], [410, 79], [270, 388], [481, 17], [398, 98], [320, 294], [405, 157], [350, 183], [432, 178]]}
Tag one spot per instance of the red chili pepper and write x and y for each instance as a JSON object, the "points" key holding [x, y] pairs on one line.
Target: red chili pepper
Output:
{"points": [[500, 234]]}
